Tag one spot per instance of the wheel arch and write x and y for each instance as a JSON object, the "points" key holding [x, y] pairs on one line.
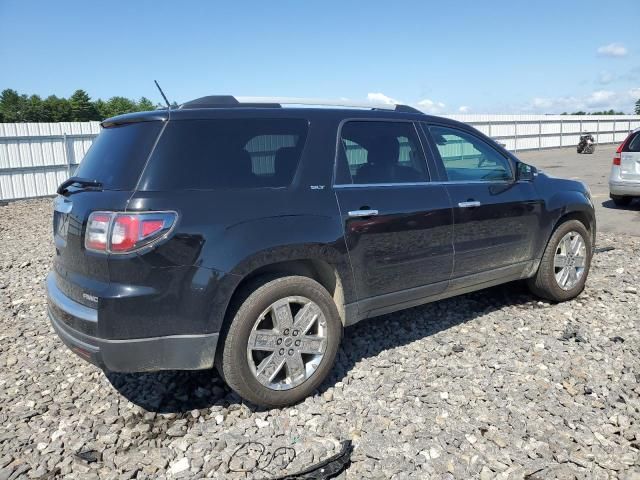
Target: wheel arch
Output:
{"points": [[333, 277]]}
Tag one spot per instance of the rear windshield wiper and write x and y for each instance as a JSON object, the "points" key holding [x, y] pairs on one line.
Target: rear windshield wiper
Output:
{"points": [[81, 182]]}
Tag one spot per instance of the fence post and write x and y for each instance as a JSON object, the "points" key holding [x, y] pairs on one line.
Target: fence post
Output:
{"points": [[515, 136], [614, 130], [539, 134], [560, 133], [597, 131], [65, 152]]}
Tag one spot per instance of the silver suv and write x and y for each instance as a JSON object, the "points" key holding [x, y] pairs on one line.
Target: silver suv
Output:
{"points": [[624, 181]]}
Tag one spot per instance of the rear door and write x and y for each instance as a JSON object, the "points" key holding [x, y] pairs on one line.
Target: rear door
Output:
{"points": [[495, 216], [397, 224], [116, 160], [630, 159]]}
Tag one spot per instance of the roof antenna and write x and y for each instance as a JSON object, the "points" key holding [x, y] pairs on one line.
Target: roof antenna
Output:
{"points": [[163, 95]]}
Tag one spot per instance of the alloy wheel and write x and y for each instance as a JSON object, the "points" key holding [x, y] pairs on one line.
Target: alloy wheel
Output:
{"points": [[287, 343]]}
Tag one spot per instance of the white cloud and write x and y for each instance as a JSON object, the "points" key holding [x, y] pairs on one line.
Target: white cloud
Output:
{"points": [[613, 50], [464, 109], [381, 98], [596, 100], [429, 106]]}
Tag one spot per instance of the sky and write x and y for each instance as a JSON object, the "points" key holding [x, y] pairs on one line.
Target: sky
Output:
{"points": [[443, 57]]}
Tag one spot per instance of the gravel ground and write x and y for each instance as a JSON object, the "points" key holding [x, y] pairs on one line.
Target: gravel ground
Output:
{"points": [[494, 384]]}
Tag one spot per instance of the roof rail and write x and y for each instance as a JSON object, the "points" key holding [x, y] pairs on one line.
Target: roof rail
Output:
{"points": [[229, 101]]}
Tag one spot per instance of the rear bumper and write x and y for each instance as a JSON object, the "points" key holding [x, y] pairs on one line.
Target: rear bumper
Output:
{"points": [[175, 352], [628, 188]]}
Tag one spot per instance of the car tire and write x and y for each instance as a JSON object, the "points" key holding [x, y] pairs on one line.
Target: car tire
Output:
{"points": [[620, 200], [240, 368], [546, 283]]}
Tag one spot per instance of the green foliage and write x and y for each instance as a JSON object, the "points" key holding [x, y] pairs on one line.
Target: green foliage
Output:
{"points": [[77, 108], [82, 108], [604, 112], [637, 110]]}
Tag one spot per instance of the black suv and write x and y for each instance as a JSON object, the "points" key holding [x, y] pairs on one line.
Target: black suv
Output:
{"points": [[246, 234]]}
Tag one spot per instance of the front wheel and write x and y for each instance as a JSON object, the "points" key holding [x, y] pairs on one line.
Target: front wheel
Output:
{"points": [[565, 263], [282, 341]]}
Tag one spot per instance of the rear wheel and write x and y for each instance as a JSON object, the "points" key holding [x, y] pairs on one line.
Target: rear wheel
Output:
{"points": [[620, 200], [282, 341], [565, 264]]}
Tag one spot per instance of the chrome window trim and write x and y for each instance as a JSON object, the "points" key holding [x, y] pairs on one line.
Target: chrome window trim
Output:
{"points": [[369, 185], [418, 184]]}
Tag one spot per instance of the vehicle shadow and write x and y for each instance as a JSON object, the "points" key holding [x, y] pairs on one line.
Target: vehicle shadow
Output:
{"points": [[183, 391], [632, 207]]}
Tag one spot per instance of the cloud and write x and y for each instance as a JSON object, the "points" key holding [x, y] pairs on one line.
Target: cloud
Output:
{"points": [[613, 50], [596, 100], [464, 109], [381, 98], [429, 106]]}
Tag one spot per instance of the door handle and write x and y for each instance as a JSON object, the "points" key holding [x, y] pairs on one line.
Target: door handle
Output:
{"points": [[469, 204], [362, 213]]}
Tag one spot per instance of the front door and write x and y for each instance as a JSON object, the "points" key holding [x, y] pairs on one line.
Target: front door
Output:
{"points": [[495, 217], [398, 225]]}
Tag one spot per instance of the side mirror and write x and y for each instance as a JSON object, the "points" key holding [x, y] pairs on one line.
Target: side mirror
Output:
{"points": [[526, 172]]}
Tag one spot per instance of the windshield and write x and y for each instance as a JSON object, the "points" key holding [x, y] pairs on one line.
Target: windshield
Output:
{"points": [[118, 155]]}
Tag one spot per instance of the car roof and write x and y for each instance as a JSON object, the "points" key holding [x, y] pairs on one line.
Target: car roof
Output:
{"points": [[277, 107]]}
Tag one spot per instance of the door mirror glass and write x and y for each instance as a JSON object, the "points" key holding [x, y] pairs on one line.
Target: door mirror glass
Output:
{"points": [[526, 172]]}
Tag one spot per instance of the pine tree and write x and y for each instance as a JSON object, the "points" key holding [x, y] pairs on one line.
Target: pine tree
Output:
{"points": [[81, 107]]}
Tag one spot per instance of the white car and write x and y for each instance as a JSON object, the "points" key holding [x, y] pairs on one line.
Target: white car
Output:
{"points": [[624, 181]]}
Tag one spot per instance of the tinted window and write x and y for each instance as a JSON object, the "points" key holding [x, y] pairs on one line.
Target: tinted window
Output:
{"points": [[231, 153], [118, 154], [633, 145], [380, 152], [467, 157]]}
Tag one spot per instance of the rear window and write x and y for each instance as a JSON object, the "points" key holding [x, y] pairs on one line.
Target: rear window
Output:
{"points": [[118, 155], [633, 145], [229, 153]]}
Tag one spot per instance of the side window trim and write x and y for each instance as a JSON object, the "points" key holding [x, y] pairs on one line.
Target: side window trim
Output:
{"points": [[417, 130], [426, 126]]}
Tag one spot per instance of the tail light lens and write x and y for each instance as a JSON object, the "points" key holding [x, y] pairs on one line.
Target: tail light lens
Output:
{"points": [[617, 159], [126, 232]]}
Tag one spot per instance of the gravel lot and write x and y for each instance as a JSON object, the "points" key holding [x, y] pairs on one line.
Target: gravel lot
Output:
{"points": [[494, 384]]}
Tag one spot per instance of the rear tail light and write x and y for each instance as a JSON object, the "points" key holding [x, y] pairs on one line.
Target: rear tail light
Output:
{"points": [[617, 159], [126, 232]]}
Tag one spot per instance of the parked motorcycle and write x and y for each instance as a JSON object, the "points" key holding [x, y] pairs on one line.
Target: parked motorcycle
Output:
{"points": [[587, 144]]}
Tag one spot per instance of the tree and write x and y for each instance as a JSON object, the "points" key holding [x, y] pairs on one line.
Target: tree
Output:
{"points": [[34, 111], [82, 109], [637, 110], [57, 109], [15, 107], [12, 106], [144, 105]]}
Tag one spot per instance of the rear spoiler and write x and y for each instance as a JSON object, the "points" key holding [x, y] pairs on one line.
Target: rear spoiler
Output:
{"points": [[136, 117]]}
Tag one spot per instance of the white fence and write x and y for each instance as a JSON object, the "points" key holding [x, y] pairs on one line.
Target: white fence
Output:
{"points": [[36, 157]]}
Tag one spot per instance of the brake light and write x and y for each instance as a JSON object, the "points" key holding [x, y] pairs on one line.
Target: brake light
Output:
{"points": [[126, 232], [97, 231], [617, 159]]}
